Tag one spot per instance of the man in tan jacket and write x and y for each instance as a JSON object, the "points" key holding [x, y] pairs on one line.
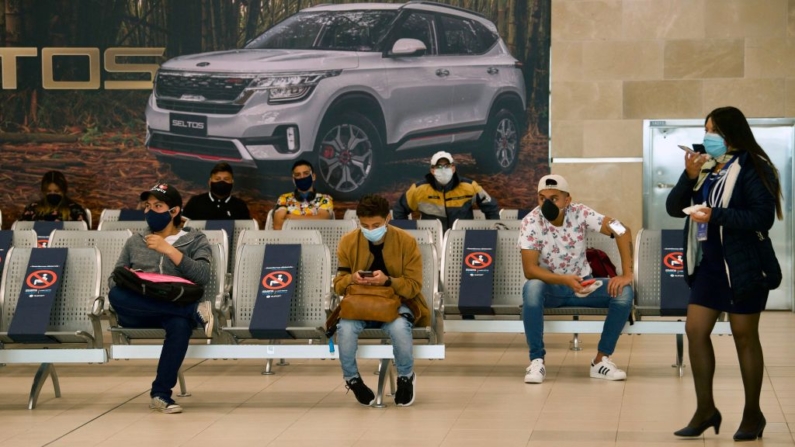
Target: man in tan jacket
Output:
{"points": [[378, 254]]}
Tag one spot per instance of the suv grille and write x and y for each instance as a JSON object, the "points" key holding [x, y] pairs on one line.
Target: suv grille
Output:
{"points": [[211, 87], [195, 146], [199, 107]]}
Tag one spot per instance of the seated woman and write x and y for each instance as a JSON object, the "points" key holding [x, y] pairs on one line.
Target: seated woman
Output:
{"points": [[54, 204]]}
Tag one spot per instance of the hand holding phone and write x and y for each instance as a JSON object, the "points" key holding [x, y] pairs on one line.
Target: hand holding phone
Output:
{"points": [[365, 273]]}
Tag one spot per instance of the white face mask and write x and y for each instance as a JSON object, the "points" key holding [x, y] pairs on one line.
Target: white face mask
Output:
{"points": [[443, 175]]}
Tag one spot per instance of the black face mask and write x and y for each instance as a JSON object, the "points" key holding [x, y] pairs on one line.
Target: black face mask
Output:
{"points": [[220, 189], [304, 184], [54, 199], [550, 210]]}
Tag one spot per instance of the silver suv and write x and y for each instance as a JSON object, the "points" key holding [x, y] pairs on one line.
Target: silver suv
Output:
{"points": [[348, 87]]}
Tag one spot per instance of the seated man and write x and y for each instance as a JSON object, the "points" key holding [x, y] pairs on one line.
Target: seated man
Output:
{"points": [[445, 196], [219, 203], [394, 259], [304, 202], [552, 240], [170, 250]]}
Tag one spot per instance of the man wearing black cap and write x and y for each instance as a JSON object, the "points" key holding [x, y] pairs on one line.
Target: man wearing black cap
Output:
{"points": [[167, 249], [219, 203]]}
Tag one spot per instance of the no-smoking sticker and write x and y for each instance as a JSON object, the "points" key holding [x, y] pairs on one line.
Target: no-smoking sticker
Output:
{"points": [[673, 260], [478, 260], [277, 280], [41, 279]]}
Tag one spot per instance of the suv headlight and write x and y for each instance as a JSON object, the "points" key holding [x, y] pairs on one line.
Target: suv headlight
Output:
{"points": [[287, 87]]}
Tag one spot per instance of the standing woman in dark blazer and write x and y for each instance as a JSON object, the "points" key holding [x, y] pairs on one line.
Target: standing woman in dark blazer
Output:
{"points": [[729, 260]]}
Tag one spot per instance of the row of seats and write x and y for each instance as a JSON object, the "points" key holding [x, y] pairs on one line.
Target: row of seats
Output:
{"points": [[77, 318]]}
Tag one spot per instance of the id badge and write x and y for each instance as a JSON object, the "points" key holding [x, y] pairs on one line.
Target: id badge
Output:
{"points": [[701, 232]]}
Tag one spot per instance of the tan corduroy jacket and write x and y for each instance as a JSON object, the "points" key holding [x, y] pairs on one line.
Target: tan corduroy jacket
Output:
{"points": [[402, 259]]}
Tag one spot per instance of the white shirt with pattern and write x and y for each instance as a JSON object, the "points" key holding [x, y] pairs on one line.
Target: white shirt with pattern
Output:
{"points": [[561, 249]]}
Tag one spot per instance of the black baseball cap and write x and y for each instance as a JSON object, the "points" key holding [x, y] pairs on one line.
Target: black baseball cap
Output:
{"points": [[165, 193]]}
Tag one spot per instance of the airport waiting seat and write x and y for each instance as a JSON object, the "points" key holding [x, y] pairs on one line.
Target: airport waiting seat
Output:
{"points": [[109, 243], [74, 325]]}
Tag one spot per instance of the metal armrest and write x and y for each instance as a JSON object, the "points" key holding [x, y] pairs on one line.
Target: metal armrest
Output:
{"points": [[437, 324], [330, 302], [97, 309]]}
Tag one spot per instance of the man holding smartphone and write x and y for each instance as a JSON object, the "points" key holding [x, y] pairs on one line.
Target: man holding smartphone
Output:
{"points": [[552, 240], [378, 254]]}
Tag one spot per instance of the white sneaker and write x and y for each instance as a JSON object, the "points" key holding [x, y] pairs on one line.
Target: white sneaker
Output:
{"points": [[607, 370], [536, 372], [205, 313], [165, 405]]}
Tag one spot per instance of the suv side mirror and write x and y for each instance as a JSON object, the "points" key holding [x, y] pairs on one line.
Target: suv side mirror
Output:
{"points": [[408, 47]]}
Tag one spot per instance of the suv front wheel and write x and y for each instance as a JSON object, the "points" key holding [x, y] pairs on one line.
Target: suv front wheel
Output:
{"points": [[499, 151], [347, 147]]}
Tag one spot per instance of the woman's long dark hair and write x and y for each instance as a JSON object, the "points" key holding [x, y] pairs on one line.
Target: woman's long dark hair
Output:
{"points": [[44, 208], [731, 124]]}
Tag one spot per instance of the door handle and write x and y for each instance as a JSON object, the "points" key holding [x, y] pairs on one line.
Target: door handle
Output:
{"points": [[665, 185], [493, 70], [442, 73]]}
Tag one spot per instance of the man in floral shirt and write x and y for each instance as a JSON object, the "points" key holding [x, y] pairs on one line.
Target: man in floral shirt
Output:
{"points": [[304, 202], [552, 240]]}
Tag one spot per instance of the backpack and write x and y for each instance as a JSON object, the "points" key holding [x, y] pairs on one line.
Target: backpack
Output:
{"points": [[600, 263], [160, 287]]}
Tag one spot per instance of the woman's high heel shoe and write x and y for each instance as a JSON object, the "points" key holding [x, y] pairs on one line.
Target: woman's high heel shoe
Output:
{"points": [[753, 434], [713, 421]]}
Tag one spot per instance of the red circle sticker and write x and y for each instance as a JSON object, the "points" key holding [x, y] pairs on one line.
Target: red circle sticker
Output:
{"points": [[673, 260], [41, 279], [43, 242], [478, 260], [277, 280]]}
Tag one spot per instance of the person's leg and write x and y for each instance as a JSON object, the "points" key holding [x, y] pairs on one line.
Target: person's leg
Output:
{"points": [[175, 346], [348, 340], [536, 295], [698, 327], [402, 342], [745, 331], [127, 314], [131, 304], [618, 310]]}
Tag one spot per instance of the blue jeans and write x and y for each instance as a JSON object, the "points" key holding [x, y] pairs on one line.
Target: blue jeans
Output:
{"points": [[138, 311], [399, 331], [538, 295]]}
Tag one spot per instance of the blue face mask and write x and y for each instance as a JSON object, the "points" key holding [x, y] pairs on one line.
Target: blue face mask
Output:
{"points": [[374, 235], [714, 145], [157, 221], [304, 184]]}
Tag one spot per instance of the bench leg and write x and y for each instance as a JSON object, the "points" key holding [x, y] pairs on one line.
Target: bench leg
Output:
{"points": [[382, 378], [268, 371], [183, 390], [680, 348], [45, 370], [377, 371], [574, 344]]}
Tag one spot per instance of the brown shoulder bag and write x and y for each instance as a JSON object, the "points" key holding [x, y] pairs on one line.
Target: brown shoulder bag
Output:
{"points": [[370, 303]]}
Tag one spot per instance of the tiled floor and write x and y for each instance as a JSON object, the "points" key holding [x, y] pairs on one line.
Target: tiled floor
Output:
{"points": [[475, 397]]}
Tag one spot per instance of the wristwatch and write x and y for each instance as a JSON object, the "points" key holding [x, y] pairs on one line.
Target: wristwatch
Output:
{"points": [[388, 281]]}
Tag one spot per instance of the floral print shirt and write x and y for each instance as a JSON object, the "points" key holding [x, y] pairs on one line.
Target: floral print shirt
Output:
{"points": [[76, 212], [561, 249], [298, 207]]}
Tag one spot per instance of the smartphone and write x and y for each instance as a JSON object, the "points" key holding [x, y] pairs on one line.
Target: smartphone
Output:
{"points": [[699, 148], [617, 228], [365, 273], [587, 282], [688, 150]]}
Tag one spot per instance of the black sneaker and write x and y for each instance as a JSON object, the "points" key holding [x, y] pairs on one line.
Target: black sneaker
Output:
{"points": [[363, 394], [405, 390]]}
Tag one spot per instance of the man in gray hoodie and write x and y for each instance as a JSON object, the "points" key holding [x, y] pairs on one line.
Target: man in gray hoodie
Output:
{"points": [[169, 249]]}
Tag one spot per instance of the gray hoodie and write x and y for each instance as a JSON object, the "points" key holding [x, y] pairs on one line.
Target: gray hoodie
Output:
{"points": [[195, 265]]}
